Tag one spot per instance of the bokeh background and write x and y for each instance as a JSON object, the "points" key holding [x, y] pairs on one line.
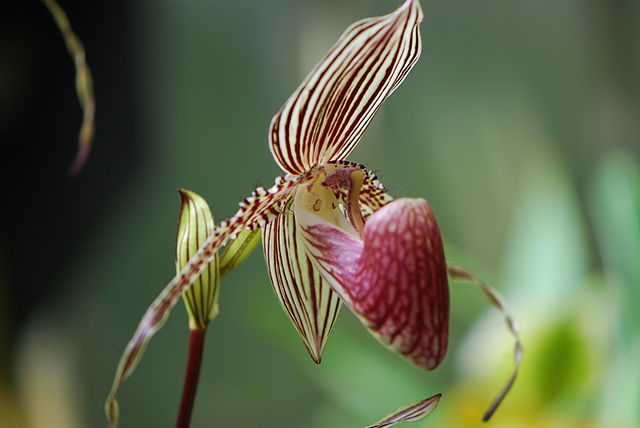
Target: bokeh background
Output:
{"points": [[520, 125]]}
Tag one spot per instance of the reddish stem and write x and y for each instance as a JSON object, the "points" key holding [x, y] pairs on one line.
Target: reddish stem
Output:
{"points": [[194, 359]]}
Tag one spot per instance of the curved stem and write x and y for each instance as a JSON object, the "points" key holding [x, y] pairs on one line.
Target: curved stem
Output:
{"points": [[191, 377]]}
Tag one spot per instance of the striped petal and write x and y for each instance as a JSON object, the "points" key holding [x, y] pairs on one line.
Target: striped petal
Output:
{"points": [[84, 85], [394, 278], [461, 273], [326, 116], [412, 413], [307, 299], [255, 211]]}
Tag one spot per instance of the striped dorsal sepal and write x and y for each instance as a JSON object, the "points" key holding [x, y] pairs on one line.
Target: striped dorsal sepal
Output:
{"points": [[328, 113]]}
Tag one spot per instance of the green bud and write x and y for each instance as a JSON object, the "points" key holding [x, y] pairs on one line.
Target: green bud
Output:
{"points": [[194, 226], [238, 250]]}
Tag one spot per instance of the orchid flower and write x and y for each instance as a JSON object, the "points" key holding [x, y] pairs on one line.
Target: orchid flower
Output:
{"points": [[331, 233]]}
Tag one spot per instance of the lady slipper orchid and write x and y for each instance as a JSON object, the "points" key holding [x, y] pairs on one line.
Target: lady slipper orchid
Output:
{"points": [[331, 234]]}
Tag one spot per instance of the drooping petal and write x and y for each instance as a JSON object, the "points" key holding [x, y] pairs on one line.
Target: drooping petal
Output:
{"points": [[84, 85], [394, 279], [326, 116], [460, 273], [255, 211], [310, 303], [411, 413]]}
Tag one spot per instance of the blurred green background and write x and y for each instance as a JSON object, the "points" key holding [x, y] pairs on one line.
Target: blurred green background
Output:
{"points": [[519, 124]]}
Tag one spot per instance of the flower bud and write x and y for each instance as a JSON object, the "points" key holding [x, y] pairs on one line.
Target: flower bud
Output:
{"points": [[238, 250], [194, 226]]}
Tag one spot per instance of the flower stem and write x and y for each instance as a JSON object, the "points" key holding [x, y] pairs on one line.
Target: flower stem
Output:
{"points": [[191, 376]]}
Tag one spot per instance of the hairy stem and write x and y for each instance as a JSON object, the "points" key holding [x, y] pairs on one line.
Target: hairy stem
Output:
{"points": [[191, 376]]}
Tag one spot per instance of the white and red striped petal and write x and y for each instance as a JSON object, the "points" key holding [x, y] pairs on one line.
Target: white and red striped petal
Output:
{"points": [[326, 116], [310, 303], [394, 278]]}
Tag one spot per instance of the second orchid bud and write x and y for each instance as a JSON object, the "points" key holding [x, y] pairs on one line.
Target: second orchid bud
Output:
{"points": [[194, 226]]}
